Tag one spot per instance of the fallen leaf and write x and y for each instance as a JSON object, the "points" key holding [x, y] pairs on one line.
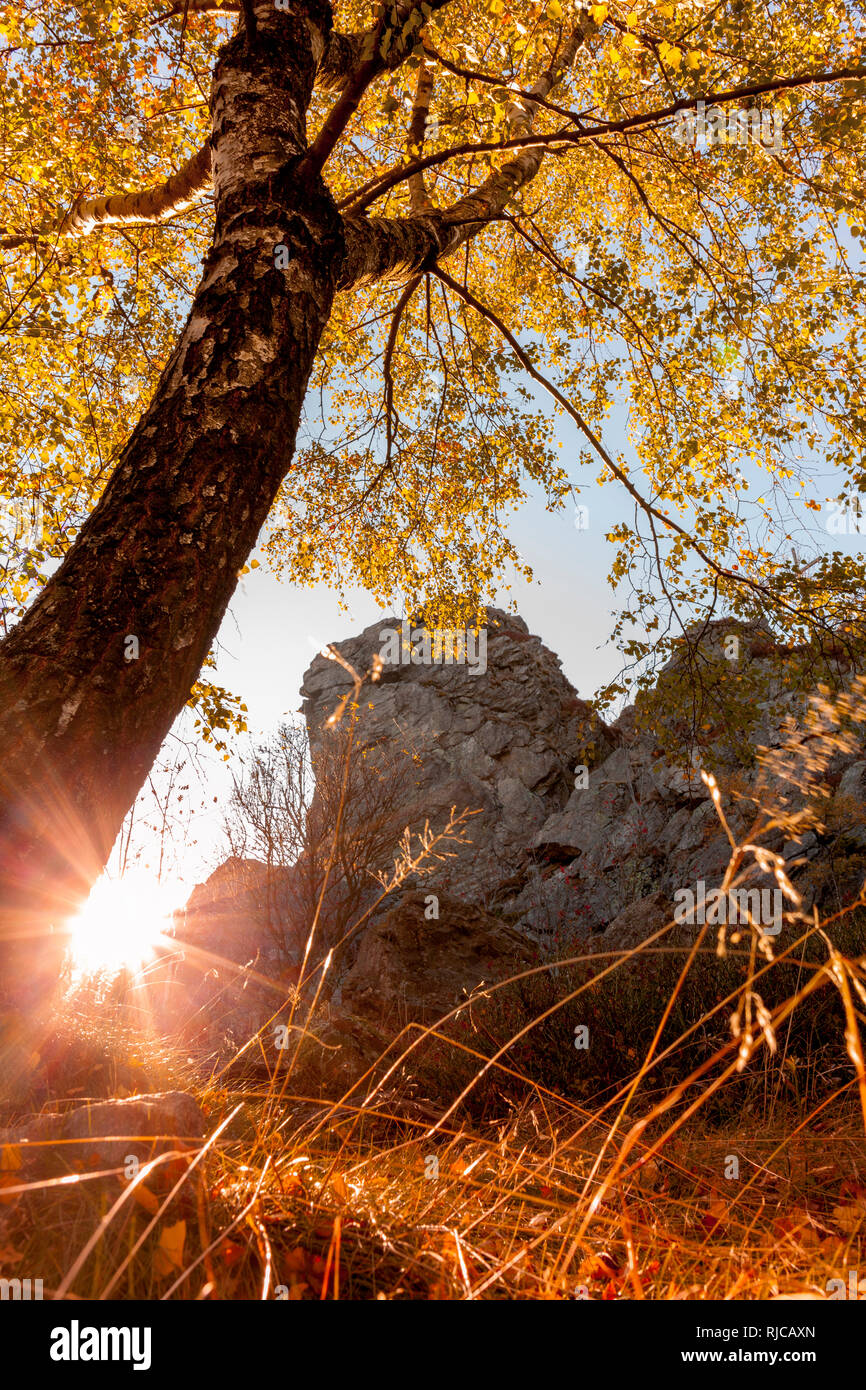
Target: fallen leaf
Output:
{"points": [[850, 1218], [9, 1180], [339, 1187], [168, 1256], [649, 1173], [713, 1216], [231, 1253], [603, 1266], [292, 1186], [145, 1198], [10, 1158]]}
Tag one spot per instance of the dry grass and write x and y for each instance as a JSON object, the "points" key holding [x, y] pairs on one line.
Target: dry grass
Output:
{"points": [[327, 1200], [517, 1192], [474, 1161]]}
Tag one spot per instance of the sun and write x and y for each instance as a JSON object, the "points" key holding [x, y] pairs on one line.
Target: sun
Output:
{"points": [[121, 924]]}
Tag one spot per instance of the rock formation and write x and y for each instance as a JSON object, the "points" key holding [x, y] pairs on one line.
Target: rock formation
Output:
{"points": [[583, 832], [501, 742], [227, 915], [414, 965], [644, 824]]}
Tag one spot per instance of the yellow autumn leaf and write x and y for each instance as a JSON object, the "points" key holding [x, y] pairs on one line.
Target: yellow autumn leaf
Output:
{"points": [[598, 13], [851, 1217], [168, 1256], [146, 1199], [339, 1187]]}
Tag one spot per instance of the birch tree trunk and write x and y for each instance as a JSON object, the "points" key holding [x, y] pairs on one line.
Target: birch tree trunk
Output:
{"points": [[93, 676]]}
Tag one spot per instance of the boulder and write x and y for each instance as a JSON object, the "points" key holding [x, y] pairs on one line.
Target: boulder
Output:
{"points": [[227, 915], [412, 967], [107, 1133], [643, 822], [638, 922]]}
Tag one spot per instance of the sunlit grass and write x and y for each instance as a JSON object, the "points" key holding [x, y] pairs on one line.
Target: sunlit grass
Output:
{"points": [[337, 1200], [471, 1161]]}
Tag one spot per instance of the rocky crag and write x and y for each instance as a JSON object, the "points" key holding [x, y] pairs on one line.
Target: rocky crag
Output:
{"points": [[499, 742], [582, 831]]}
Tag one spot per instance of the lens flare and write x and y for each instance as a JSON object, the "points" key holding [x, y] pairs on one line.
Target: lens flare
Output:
{"points": [[121, 924]]}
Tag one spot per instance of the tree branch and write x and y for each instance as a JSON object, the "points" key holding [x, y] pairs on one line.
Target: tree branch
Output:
{"points": [[385, 47], [375, 188], [390, 414], [393, 248], [491, 80], [419, 198], [179, 192], [190, 184], [586, 430]]}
